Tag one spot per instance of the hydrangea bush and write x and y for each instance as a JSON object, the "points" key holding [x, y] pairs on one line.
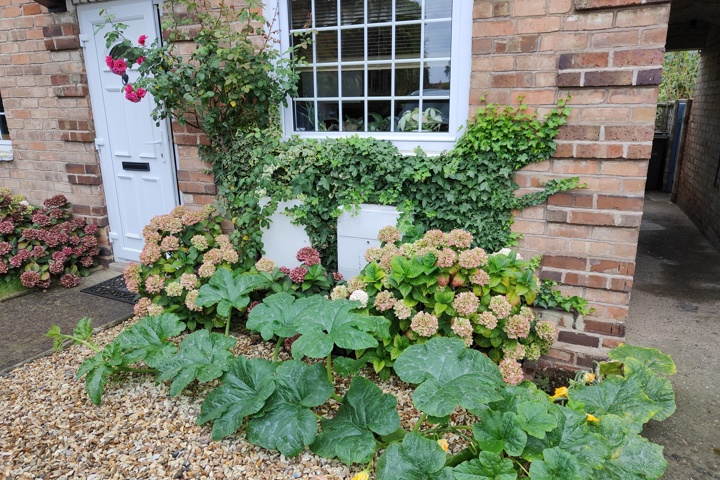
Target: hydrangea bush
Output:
{"points": [[440, 286], [183, 250], [41, 243]]}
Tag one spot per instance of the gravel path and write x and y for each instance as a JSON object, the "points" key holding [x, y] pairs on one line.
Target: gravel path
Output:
{"points": [[49, 428]]}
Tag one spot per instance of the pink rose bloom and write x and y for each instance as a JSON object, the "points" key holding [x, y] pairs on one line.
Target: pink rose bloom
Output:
{"points": [[133, 97], [109, 61], [140, 60], [128, 88], [141, 92], [142, 39], [119, 67]]}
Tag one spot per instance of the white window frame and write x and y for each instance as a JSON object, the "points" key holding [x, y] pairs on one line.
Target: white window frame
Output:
{"points": [[5, 145], [461, 61]]}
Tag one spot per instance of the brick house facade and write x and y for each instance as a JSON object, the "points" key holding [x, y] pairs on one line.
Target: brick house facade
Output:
{"points": [[605, 54]]}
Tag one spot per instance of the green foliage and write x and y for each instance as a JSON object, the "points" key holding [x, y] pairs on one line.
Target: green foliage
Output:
{"points": [[80, 336], [679, 75], [549, 297], [488, 466], [416, 458], [202, 355]]}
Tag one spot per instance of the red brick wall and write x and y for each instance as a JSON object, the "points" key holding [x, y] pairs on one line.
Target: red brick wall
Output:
{"points": [[606, 55], [698, 187]]}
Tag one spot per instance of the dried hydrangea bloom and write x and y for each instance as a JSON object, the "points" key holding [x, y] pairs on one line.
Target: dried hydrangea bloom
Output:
{"points": [[500, 306], [230, 255], [435, 238], [384, 300], [150, 254], [487, 319], [517, 326], [264, 265], [69, 280], [473, 258], [546, 331], [511, 371], [297, 274], [446, 258], [308, 255], [199, 242], [206, 270], [169, 243], [463, 329], [189, 281], [390, 251], [360, 296], [174, 289], [223, 241], [337, 276], [459, 238], [532, 351], [154, 283], [29, 279], [481, 277], [141, 307], [213, 256], [132, 277], [155, 310], [340, 291], [389, 234], [424, 324], [402, 310], [190, 301], [514, 350], [466, 303], [356, 283], [373, 254]]}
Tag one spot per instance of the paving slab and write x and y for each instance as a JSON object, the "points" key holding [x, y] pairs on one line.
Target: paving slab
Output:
{"points": [[24, 320], [675, 306]]}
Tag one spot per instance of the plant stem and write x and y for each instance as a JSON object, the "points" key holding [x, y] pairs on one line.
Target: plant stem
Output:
{"points": [[86, 343], [419, 422], [123, 368], [521, 466], [460, 457], [227, 326], [277, 349], [457, 432], [337, 398], [328, 365]]}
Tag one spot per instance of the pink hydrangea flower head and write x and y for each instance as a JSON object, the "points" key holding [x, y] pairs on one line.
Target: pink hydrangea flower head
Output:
{"points": [[384, 300], [309, 256], [390, 251], [150, 254], [285, 270], [481, 277], [189, 281], [337, 276], [199, 242], [264, 265], [56, 201], [29, 279], [69, 280], [373, 254], [402, 310], [7, 227], [3, 268], [141, 307], [230, 255], [213, 256], [517, 326], [473, 258], [462, 328], [547, 331], [154, 283], [446, 258], [389, 234], [487, 320], [466, 303], [170, 243], [435, 238], [511, 371], [190, 299], [206, 270], [356, 283], [155, 310], [5, 248], [424, 324], [297, 274], [141, 39], [459, 238], [500, 306], [91, 229], [87, 262], [514, 350], [340, 291]]}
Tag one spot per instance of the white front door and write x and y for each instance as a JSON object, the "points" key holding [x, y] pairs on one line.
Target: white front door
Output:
{"points": [[138, 167]]}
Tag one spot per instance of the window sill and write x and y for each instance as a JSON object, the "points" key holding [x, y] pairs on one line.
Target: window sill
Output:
{"points": [[431, 143], [6, 155]]}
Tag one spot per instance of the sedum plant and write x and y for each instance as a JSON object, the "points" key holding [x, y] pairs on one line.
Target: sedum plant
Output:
{"points": [[439, 286]]}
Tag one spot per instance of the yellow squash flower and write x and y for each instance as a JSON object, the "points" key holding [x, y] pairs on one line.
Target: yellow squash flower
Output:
{"points": [[443, 444], [589, 377], [561, 392], [364, 475], [592, 418]]}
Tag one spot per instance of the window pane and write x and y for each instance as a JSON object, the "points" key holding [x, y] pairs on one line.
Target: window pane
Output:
{"points": [[430, 119], [352, 12], [438, 37], [353, 83], [407, 79], [379, 45], [306, 86], [438, 8], [328, 113], [326, 46], [304, 44], [379, 80], [353, 117], [407, 41], [353, 45], [407, 10], [300, 13], [304, 116], [379, 116], [325, 13], [437, 76], [327, 83], [379, 11]]}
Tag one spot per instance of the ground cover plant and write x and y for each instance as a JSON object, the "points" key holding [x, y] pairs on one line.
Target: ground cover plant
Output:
{"points": [[39, 244], [588, 429]]}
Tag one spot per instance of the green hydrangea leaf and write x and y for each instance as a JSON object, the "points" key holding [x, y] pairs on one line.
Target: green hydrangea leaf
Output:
{"points": [[202, 355], [278, 315], [148, 339], [228, 291], [574, 436], [657, 388], [416, 458], [286, 423], [535, 419], [332, 323], [449, 375], [652, 358], [245, 387], [618, 396], [97, 370], [349, 436], [497, 432], [556, 464], [488, 466]]}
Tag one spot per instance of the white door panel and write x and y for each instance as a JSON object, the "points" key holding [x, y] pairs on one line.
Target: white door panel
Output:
{"points": [[137, 164]]}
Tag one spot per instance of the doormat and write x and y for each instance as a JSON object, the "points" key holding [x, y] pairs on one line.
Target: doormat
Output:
{"points": [[113, 289]]}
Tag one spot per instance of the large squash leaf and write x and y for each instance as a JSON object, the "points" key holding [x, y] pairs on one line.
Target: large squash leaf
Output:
{"points": [[287, 423], [449, 375], [652, 358], [534, 418], [97, 370], [228, 291], [245, 387], [332, 323], [203, 356], [416, 458], [148, 339], [633, 457], [556, 464], [279, 314], [657, 388], [488, 466], [349, 436], [497, 432]]}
